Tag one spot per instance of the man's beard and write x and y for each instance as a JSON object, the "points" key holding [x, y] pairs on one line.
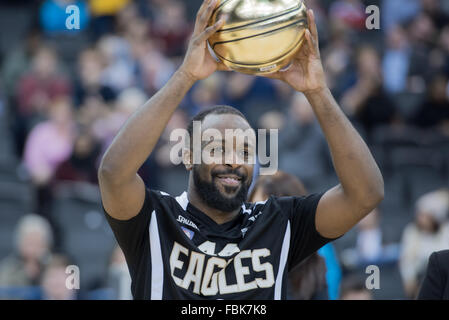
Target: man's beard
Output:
{"points": [[210, 194]]}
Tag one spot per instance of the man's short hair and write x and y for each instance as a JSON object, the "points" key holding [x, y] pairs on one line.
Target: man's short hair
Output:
{"points": [[220, 109]]}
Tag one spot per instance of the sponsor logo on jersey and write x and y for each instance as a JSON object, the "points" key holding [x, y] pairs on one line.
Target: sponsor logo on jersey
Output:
{"points": [[189, 233], [186, 221]]}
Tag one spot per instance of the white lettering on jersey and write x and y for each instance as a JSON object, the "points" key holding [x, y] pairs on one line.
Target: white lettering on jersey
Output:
{"points": [[194, 272], [243, 286], [209, 283], [224, 287], [209, 287], [229, 250], [175, 263], [267, 267], [208, 247]]}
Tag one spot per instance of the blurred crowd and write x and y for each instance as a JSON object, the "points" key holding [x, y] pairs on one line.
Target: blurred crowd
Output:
{"points": [[68, 92]]}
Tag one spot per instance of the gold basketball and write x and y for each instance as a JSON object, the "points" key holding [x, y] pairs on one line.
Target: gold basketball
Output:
{"points": [[259, 36]]}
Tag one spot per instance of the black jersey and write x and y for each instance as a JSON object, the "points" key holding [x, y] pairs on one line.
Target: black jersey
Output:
{"points": [[175, 251]]}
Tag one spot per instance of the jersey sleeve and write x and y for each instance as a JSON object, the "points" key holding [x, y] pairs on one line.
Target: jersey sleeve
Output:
{"points": [[304, 239], [132, 234]]}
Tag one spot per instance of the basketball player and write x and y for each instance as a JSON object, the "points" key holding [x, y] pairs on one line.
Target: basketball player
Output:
{"points": [[209, 243]]}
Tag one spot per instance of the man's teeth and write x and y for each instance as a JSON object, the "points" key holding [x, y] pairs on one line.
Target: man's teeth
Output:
{"points": [[230, 179]]}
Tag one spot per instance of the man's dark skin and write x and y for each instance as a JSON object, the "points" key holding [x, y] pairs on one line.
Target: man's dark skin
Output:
{"points": [[361, 185], [206, 172]]}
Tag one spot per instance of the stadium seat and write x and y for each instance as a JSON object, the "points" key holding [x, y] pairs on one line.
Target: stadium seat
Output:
{"points": [[86, 235]]}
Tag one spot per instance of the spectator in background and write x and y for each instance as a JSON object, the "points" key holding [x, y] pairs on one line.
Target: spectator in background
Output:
{"points": [[302, 147], [350, 13], [422, 36], [93, 109], [53, 284], [118, 276], [42, 84], [434, 112], [255, 95], [35, 91], [88, 81], [433, 9], [366, 102], [120, 68], [353, 288], [337, 59], [81, 166], [53, 16], [171, 28], [205, 94], [49, 144], [308, 280], [16, 63], [396, 61], [428, 233], [107, 126], [17, 60], [154, 67], [395, 12], [33, 243], [370, 248], [167, 175]]}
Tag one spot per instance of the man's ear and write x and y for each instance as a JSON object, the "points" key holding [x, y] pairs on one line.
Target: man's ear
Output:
{"points": [[187, 159]]}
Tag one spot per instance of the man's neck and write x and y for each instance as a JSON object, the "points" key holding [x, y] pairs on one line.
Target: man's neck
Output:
{"points": [[218, 216]]}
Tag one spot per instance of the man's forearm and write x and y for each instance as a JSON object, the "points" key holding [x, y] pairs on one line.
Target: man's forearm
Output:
{"points": [[356, 169], [136, 140]]}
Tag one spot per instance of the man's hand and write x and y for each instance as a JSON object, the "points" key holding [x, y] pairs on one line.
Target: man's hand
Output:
{"points": [[305, 73], [198, 63]]}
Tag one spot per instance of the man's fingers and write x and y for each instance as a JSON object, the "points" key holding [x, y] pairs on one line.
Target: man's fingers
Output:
{"points": [[201, 9], [312, 44], [312, 25], [204, 18], [211, 30], [199, 15]]}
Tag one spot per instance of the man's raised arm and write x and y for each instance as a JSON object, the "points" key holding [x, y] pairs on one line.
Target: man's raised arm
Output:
{"points": [[122, 190], [361, 185]]}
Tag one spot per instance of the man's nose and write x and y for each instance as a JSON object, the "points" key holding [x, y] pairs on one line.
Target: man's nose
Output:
{"points": [[230, 159]]}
